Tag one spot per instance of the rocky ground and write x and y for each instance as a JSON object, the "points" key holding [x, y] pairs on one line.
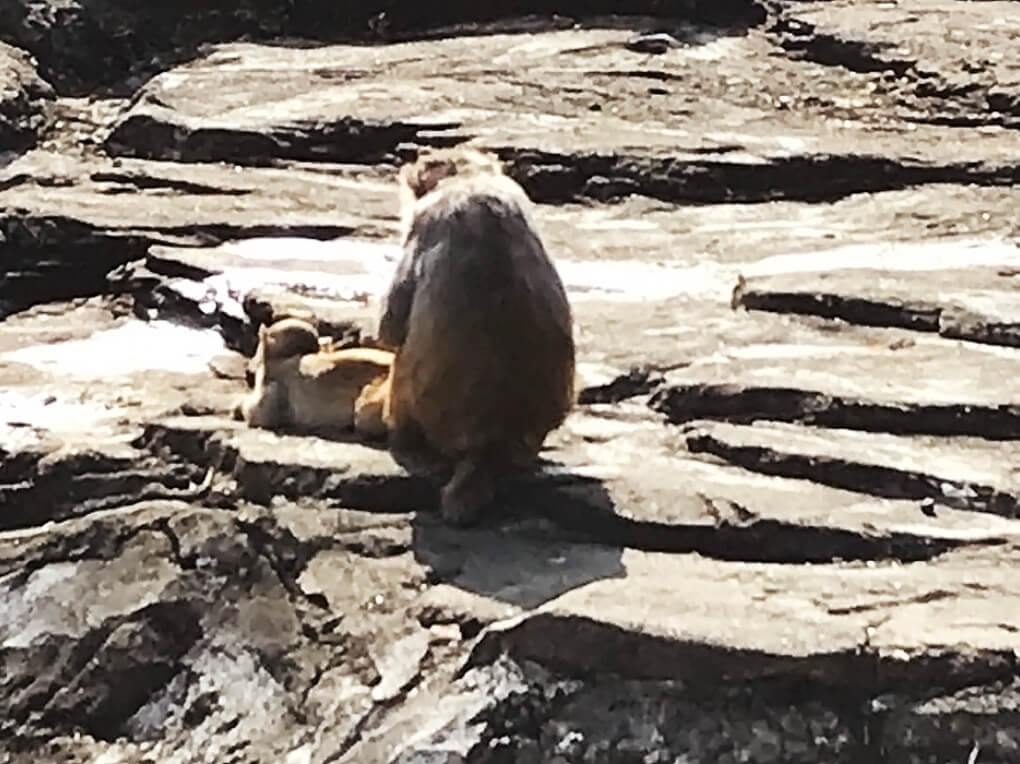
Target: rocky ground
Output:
{"points": [[782, 524]]}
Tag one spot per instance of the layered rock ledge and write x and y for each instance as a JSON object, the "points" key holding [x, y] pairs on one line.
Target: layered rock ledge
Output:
{"points": [[781, 524]]}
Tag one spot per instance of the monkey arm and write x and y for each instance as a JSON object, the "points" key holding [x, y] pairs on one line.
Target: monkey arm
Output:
{"points": [[397, 303]]}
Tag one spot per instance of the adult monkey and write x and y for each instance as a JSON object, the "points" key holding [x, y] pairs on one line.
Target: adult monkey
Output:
{"points": [[481, 328]]}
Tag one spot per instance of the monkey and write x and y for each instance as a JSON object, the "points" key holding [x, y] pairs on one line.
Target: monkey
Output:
{"points": [[302, 384], [481, 329]]}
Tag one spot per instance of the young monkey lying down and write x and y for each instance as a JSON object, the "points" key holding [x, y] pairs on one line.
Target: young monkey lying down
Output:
{"points": [[307, 387]]}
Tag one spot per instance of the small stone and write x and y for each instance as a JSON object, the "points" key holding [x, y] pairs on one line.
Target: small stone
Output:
{"points": [[655, 43]]}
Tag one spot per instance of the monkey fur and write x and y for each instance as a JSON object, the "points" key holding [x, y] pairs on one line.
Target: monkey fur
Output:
{"points": [[302, 384], [481, 327]]}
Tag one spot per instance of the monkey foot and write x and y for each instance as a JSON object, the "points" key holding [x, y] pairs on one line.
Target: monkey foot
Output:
{"points": [[467, 495], [458, 509], [434, 469]]}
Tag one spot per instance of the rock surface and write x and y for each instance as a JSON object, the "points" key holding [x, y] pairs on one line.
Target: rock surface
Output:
{"points": [[26, 100], [782, 523]]}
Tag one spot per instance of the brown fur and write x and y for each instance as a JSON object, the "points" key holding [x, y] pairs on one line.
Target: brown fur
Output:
{"points": [[482, 330], [300, 386]]}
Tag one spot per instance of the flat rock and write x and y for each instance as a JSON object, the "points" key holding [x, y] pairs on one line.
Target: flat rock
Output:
{"points": [[679, 488], [266, 464], [342, 106], [194, 205], [589, 488], [965, 473], [71, 220], [86, 45], [976, 303], [679, 612], [897, 385], [953, 61]]}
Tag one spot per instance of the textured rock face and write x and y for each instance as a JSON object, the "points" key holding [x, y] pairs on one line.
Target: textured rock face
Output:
{"points": [[781, 525], [25, 100], [108, 44]]}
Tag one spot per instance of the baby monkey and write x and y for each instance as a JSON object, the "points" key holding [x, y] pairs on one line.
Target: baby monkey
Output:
{"points": [[304, 385], [481, 327]]}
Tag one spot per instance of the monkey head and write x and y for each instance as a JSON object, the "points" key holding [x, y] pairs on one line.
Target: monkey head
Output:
{"points": [[288, 338], [433, 166]]}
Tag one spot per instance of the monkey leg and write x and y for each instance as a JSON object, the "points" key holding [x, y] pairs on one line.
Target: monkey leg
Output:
{"points": [[370, 411], [368, 420], [262, 408], [412, 451], [470, 491]]}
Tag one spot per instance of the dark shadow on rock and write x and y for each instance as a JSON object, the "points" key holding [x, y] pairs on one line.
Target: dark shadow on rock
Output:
{"points": [[696, 24], [555, 177], [331, 434], [575, 644], [37, 268], [639, 380], [740, 403], [6, 158], [511, 554], [556, 530]]}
